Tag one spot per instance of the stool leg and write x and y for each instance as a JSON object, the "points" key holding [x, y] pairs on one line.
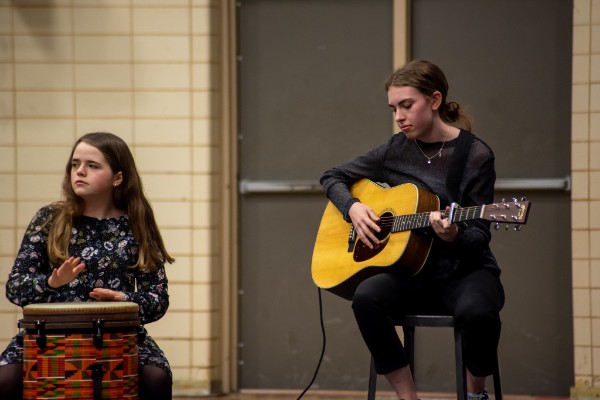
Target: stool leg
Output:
{"points": [[497, 385], [461, 369], [409, 346], [372, 381]]}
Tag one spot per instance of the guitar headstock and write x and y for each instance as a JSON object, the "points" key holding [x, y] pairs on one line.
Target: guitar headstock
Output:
{"points": [[507, 212]]}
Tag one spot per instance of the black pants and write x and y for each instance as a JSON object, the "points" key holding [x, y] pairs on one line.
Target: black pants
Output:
{"points": [[474, 299]]}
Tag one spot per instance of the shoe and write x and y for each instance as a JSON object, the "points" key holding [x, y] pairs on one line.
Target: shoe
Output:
{"points": [[479, 396]]}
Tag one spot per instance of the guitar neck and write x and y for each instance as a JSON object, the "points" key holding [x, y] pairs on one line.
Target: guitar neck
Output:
{"points": [[421, 220]]}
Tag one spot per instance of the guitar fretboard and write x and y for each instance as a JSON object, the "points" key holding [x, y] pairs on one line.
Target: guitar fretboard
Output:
{"points": [[421, 220]]}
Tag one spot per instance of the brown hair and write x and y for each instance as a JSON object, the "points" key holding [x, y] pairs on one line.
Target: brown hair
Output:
{"points": [[128, 196], [428, 78]]}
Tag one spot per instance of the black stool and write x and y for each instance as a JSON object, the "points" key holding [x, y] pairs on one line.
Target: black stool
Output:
{"points": [[408, 323]]}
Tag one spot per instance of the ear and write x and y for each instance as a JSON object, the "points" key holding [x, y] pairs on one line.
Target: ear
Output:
{"points": [[436, 100], [117, 179]]}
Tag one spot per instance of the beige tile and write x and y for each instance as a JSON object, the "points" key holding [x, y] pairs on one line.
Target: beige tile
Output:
{"points": [[27, 209], [6, 48], [203, 297], [203, 189], [594, 126], [8, 219], [581, 39], [40, 159], [205, 213], [580, 127], [206, 159], [178, 187], [104, 104], [595, 332], [595, 96], [205, 48], [581, 98], [43, 48], [5, 20], [595, 11], [206, 104], [205, 21], [580, 218], [206, 132], [595, 359], [7, 132], [6, 263], [202, 375], [44, 76], [582, 331], [163, 328], [595, 44], [595, 68], [201, 353], [103, 76], [161, 48], [158, 3], [163, 131], [162, 104], [44, 21], [181, 270], [6, 76], [595, 248], [595, 302], [8, 243], [7, 160], [108, 3], [102, 20], [594, 156], [172, 214], [103, 48], [9, 325], [45, 131], [204, 326], [581, 69], [580, 244], [206, 76], [162, 76], [205, 241], [177, 240], [8, 185], [580, 156], [580, 185], [161, 21], [581, 12], [581, 302], [583, 360], [207, 269], [595, 185], [594, 207], [177, 352], [120, 127], [45, 104], [180, 297], [35, 187], [7, 106], [163, 159]]}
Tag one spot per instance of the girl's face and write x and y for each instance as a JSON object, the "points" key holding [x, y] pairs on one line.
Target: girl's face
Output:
{"points": [[91, 175], [413, 112]]}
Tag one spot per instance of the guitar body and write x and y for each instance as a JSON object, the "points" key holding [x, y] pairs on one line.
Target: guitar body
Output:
{"points": [[339, 265]]}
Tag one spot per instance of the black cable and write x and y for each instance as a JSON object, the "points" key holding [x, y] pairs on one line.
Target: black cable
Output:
{"points": [[322, 349]]}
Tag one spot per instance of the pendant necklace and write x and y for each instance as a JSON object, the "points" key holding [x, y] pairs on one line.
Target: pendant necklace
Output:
{"points": [[438, 153]]}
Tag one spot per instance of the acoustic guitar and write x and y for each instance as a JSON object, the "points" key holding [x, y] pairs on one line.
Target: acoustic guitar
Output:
{"points": [[340, 261]]}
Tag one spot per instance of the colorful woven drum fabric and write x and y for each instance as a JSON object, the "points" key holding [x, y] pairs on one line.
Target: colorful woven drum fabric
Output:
{"points": [[70, 361]]}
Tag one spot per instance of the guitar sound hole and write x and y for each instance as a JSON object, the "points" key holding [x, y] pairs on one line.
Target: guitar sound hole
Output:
{"points": [[362, 252]]}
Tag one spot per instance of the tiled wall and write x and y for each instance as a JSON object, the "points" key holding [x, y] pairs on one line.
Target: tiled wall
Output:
{"points": [[148, 71], [585, 137]]}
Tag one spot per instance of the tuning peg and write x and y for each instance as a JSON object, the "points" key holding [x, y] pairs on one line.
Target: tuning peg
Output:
{"points": [[507, 226], [497, 225], [518, 228], [523, 198]]}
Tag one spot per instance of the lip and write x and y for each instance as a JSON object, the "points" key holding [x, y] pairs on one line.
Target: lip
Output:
{"points": [[79, 183], [403, 128]]}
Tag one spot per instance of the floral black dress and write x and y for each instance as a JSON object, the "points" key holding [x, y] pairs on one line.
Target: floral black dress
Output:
{"points": [[108, 249]]}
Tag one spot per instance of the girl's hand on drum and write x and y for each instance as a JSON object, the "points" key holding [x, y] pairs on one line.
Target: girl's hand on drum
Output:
{"points": [[66, 272], [101, 294]]}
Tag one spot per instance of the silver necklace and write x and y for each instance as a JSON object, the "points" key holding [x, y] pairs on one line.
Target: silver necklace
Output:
{"points": [[438, 153]]}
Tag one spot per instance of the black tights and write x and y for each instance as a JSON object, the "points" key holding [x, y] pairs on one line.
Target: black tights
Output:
{"points": [[154, 382]]}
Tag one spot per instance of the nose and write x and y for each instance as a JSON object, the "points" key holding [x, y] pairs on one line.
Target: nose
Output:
{"points": [[80, 170], [398, 116]]}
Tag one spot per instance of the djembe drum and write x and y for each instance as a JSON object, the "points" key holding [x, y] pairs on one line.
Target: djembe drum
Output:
{"points": [[81, 350]]}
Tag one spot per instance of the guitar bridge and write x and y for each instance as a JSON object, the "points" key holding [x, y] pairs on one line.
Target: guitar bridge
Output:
{"points": [[351, 239]]}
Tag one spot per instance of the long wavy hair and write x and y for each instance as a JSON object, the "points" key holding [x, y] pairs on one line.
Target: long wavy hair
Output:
{"points": [[428, 78], [128, 196]]}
